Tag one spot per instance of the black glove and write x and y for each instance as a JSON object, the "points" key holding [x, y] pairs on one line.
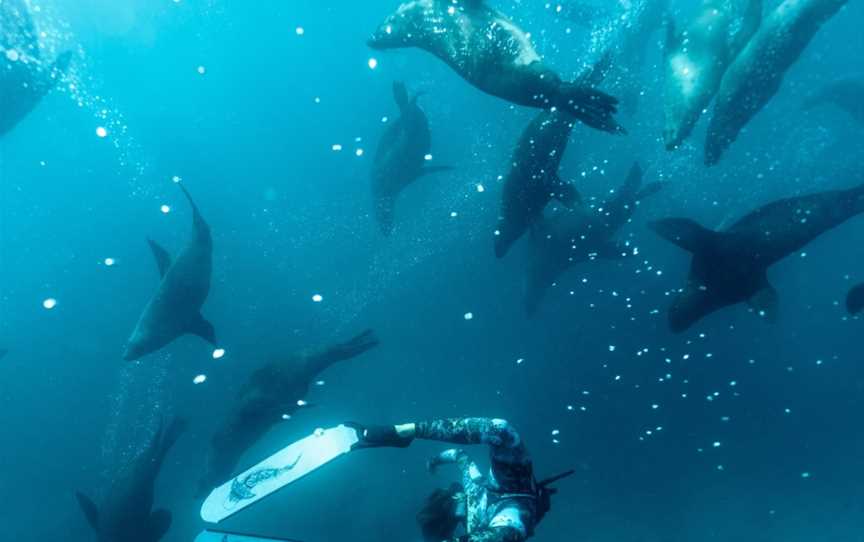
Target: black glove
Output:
{"points": [[378, 436]]}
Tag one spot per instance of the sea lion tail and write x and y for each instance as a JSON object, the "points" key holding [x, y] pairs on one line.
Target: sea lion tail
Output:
{"points": [[591, 106]]}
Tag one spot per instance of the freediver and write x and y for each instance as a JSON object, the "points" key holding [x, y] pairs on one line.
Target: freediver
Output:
{"points": [[504, 506]]}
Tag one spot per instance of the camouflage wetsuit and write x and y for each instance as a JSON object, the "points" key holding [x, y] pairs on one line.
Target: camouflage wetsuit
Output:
{"points": [[500, 507]]}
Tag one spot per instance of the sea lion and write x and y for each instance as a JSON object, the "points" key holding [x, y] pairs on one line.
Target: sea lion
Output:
{"points": [[25, 78], [561, 239], [489, 51], [175, 308], [696, 59], [754, 77], [401, 156], [730, 266], [273, 391], [533, 177], [126, 514], [847, 94]]}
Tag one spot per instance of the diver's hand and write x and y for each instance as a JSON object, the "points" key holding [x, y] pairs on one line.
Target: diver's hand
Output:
{"points": [[379, 436]]}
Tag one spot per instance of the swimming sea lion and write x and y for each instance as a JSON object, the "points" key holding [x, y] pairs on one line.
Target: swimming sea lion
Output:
{"points": [[730, 266], [24, 76], [696, 59], [754, 77], [401, 156], [489, 51], [274, 391], [126, 514], [175, 308], [533, 177], [584, 233]]}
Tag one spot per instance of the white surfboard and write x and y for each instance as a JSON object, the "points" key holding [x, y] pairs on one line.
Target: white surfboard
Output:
{"points": [[225, 536], [277, 471]]}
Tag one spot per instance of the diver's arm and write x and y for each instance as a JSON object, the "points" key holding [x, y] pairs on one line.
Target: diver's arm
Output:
{"points": [[493, 534], [494, 432]]}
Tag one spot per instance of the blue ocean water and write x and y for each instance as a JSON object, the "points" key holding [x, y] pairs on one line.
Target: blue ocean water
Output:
{"points": [[735, 429]]}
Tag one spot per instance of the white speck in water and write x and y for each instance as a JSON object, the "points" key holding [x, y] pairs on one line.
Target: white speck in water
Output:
{"points": [[384, 119], [317, 99], [317, 298], [469, 316], [202, 70], [109, 261], [359, 152], [301, 402], [101, 131], [286, 416], [299, 30], [218, 353], [319, 382], [49, 303], [481, 188], [200, 379], [427, 157], [520, 361], [716, 444], [165, 209], [373, 63], [176, 179], [611, 347], [555, 432], [12, 55], [453, 214], [337, 147], [805, 475]]}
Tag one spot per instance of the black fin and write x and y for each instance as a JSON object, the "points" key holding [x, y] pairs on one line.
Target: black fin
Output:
{"points": [[564, 192], [765, 301], [163, 259], [428, 170], [855, 299], [400, 94], [160, 522], [203, 329], [91, 512], [593, 107], [200, 225], [684, 232]]}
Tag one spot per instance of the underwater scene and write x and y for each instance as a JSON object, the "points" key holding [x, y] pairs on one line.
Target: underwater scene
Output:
{"points": [[431, 271]]}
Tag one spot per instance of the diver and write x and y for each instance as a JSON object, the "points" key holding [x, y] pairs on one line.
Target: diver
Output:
{"points": [[504, 506]]}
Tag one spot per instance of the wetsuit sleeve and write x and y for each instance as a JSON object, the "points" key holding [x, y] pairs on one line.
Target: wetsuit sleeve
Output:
{"points": [[497, 433], [493, 534]]}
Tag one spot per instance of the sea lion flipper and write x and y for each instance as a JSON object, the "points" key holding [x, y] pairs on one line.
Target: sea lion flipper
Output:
{"points": [[163, 258], [204, 329], [765, 301], [686, 233], [91, 512], [160, 522]]}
